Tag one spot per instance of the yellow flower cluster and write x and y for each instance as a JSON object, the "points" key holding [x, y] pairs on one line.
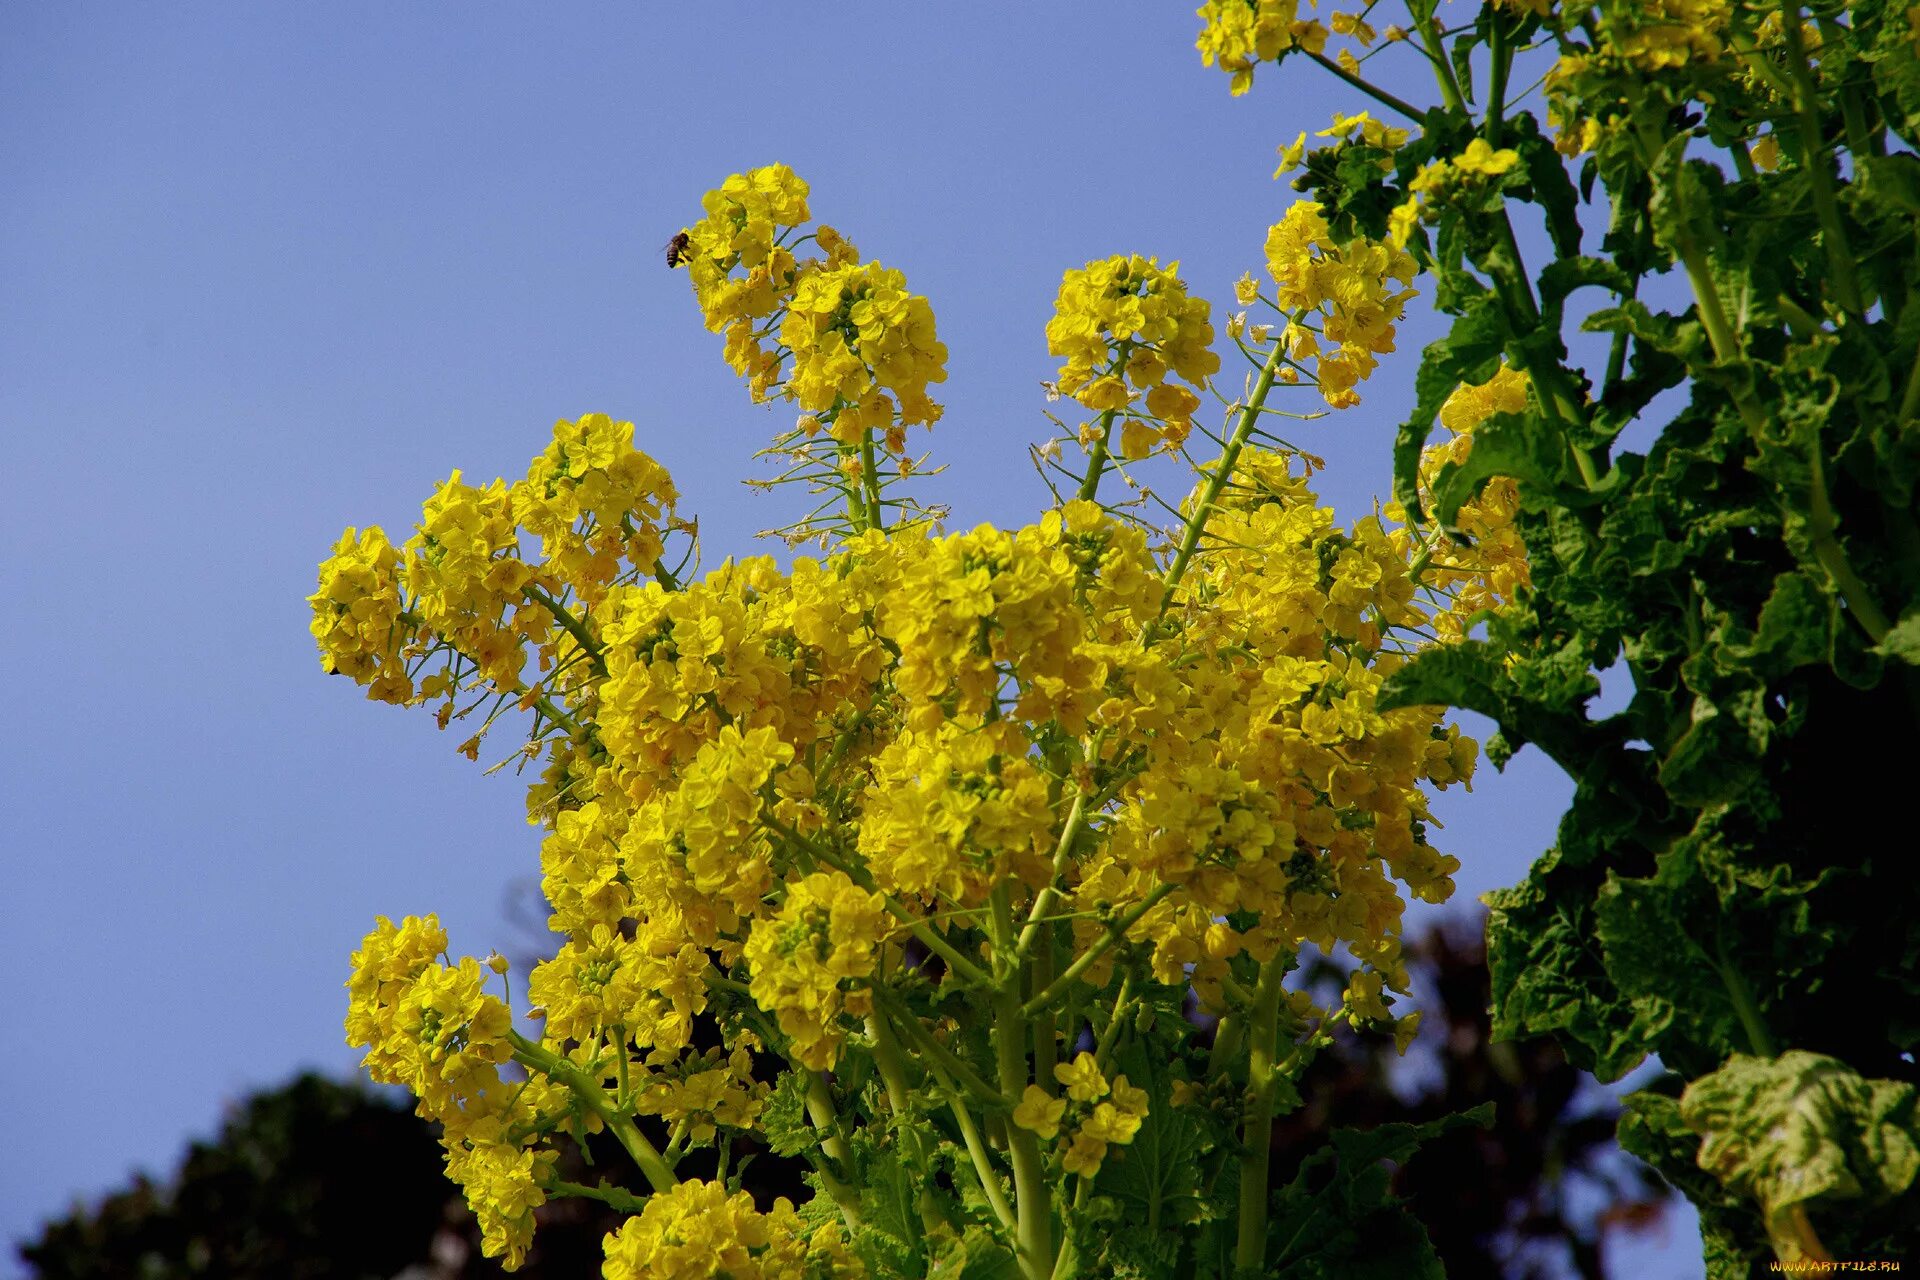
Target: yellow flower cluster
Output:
{"points": [[1107, 1113], [1122, 324], [1271, 791], [954, 811], [596, 503], [461, 588], [1468, 169], [1241, 34], [357, 615], [864, 348], [740, 269], [707, 1091], [602, 980], [827, 933], [698, 1231], [1345, 288], [429, 1027], [1630, 42], [857, 335], [789, 799]]}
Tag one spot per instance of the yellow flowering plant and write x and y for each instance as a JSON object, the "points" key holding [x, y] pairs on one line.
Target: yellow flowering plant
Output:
{"points": [[905, 861], [1679, 244]]}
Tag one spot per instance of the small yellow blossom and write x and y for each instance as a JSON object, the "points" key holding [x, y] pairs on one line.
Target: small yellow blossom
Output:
{"points": [[1040, 1112], [1082, 1078]]}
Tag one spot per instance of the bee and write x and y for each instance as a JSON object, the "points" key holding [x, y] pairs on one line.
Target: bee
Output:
{"points": [[676, 249]]}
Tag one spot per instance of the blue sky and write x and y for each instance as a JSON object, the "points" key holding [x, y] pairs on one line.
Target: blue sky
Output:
{"points": [[270, 270]]}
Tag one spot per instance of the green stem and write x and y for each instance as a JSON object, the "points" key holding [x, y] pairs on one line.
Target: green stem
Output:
{"points": [[886, 1056], [1097, 458], [1436, 51], [1373, 91], [1062, 855], [1833, 557], [590, 1095], [1222, 473], [613, 1197], [1088, 958], [826, 1122], [569, 624], [1110, 1034], [870, 480], [942, 1056], [1813, 155], [1501, 55], [1045, 1031], [1257, 1134], [976, 1151], [1033, 1201]]}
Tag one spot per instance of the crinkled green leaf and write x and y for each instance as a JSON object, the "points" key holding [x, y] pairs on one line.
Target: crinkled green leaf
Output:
{"points": [[1731, 1232], [1803, 1128], [1547, 972], [784, 1121], [1902, 642]]}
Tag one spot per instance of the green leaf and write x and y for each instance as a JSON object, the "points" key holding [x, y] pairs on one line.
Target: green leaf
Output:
{"points": [[1157, 1177], [784, 1122], [1902, 642], [977, 1255], [1474, 675], [1469, 353], [1802, 1129], [1339, 1218], [1521, 445], [1730, 1228], [1558, 280], [1796, 626], [1553, 190], [1548, 973]]}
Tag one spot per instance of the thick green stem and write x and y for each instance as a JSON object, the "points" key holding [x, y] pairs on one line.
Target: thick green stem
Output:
{"points": [[1436, 50], [1257, 1133], [942, 1057], [1045, 1031], [569, 624], [977, 1151], [1033, 1200], [1097, 458], [886, 1056], [826, 1122], [870, 480], [590, 1095], [1833, 557], [1044, 901], [1813, 154]]}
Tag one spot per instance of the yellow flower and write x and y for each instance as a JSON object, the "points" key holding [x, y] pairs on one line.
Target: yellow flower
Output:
{"points": [[1084, 1155], [1082, 1078], [1481, 158], [1766, 153], [1109, 1123], [1130, 1100], [1040, 1112], [1290, 157]]}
